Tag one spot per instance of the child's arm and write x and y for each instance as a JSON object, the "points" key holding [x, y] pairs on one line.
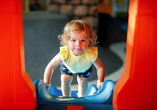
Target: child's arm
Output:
{"points": [[50, 67], [100, 71]]}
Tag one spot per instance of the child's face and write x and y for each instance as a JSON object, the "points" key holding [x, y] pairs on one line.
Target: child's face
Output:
{"points": [[78, 43]]}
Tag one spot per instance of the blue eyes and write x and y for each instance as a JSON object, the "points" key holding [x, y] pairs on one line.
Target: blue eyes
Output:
{"points": [[75, 40]]}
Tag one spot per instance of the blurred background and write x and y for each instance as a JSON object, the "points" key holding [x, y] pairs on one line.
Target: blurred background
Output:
{"points": [[44, 20]]}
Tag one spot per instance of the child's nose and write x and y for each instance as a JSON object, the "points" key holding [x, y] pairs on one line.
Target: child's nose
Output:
{"points": [[78, 43]]}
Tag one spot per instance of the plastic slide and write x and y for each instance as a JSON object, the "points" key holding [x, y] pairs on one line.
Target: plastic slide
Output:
{"points": [[93, 95]]}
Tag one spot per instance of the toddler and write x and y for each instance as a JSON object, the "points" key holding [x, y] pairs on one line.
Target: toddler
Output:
{"points": [[76, 56]]}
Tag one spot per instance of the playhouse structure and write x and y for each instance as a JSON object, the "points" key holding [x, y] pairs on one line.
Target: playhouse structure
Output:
{"points": [[136, 88]]}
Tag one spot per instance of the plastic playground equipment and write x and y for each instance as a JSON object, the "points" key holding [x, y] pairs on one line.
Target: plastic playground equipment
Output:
{"points": [[136, 88], [93, 95]]}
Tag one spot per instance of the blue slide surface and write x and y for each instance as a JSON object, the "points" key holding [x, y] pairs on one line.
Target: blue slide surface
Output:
{"points": [[93, 95]]}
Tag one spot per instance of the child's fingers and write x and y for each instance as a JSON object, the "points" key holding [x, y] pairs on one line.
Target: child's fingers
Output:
{"points": [[47, 86], [99, 84]]}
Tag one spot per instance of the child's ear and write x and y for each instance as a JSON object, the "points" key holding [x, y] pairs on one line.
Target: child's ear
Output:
{"points": [[88, 42], [66, 42]]}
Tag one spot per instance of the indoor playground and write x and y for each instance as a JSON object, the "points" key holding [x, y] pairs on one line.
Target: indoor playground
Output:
{"points": [[131, 86]]}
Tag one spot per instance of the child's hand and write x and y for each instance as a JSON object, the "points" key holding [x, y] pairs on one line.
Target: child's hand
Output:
{"points": [[99, 84], [47, 86]]}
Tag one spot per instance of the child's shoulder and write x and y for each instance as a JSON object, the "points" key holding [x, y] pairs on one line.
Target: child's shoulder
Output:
{"points": [[92, 50], [63, 52], [64, 48], [92, 53]]}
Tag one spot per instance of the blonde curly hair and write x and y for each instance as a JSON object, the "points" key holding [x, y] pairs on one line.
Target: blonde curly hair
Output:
{"points": [[78, 26]]}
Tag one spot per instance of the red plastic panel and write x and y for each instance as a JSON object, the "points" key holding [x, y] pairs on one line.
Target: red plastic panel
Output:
{"points": [[136, 88], [17, 90], [70, 107]]}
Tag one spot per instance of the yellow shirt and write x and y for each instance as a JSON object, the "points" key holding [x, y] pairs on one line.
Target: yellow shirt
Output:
{"points": [[78, 64]]}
